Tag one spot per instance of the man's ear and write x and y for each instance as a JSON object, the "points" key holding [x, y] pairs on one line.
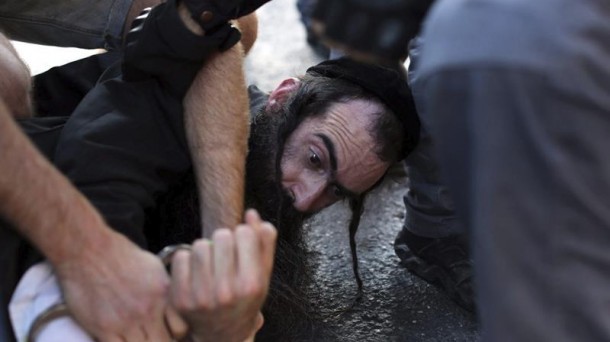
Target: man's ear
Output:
{"points": [[281, 93]]}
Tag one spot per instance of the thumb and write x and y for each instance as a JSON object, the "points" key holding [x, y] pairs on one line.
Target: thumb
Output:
{"points": [[175, 324], [260, 320]]}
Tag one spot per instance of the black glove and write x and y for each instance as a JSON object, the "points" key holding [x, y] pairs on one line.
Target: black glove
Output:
{"points": [[379, 30], [212, 14], [161, 47]]}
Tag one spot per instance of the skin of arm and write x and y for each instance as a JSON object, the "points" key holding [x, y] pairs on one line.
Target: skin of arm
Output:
{"points": [[217, 126], [223, 305], [15, 86], [114, 289]]}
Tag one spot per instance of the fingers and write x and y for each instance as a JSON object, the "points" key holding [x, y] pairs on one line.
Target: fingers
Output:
{"points": [[267, 235], [156, 332], [224, 265], [156, 329], [260, 320], [220, 286], [179, 293], [253, 219], [250, 267], [180, 288], [175, 324], [259, 324], [129, 304], [202, 271]]}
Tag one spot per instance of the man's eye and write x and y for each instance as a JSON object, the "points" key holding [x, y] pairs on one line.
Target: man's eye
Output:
{"points": [[314, 159]]}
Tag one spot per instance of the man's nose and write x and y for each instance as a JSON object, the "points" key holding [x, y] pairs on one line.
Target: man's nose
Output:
{"points": [[308, 196]]}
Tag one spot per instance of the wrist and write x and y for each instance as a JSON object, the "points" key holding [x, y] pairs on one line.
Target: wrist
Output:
{"points": [[81, 235], [94, 251]]}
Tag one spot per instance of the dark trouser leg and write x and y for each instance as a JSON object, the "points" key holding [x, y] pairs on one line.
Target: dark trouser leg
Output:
{"points": [[431, 243], [430, 206], [87, 24], [306, 9], [531, 174]]}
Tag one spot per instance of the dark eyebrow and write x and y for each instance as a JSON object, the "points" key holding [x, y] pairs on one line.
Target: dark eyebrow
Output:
{"points": [[330, 146]]}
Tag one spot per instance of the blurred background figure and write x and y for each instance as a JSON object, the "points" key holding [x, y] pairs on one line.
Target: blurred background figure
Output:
{"points": [[306, 8]]}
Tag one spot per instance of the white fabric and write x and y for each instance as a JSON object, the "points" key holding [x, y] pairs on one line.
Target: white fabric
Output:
{"points": [[37, 290]]}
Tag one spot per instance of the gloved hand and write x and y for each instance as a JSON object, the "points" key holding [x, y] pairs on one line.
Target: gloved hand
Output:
{"points": [[160, 46], [212, 14]]}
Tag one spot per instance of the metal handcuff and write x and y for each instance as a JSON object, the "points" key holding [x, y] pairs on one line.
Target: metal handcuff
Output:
{"points": [[61, 310]]}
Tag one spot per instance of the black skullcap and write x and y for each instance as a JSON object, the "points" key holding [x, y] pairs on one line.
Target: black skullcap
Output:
{"points": [[384, 83]]}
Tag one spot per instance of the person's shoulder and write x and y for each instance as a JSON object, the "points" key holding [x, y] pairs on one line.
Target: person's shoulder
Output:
{"points": [[483, 33]]}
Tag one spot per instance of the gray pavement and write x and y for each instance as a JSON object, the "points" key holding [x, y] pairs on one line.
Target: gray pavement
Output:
{"points": [[396, 306]]}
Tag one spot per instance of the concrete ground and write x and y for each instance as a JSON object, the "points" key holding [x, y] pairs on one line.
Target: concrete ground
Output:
{"points": [[397, 306]]}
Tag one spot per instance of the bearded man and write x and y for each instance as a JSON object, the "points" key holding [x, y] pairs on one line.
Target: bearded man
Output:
{"points": [[327, 136]]}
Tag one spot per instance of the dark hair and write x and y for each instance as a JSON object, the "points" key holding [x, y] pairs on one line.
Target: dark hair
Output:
{"points": [[317, 93], [314, 97]]}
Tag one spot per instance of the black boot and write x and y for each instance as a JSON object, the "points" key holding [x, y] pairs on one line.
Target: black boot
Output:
{"points": [[443, 262]]}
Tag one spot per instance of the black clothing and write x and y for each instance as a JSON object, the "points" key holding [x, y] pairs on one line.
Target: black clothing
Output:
{"points": [[122, 146]]}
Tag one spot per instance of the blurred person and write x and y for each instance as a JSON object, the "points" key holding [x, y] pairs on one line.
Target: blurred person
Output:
{"points": [[85, 24], [520, 114], [306, 9], [433, 242]]}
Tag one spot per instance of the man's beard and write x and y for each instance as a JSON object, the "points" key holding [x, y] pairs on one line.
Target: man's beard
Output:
{"points": [[264, 191], [287, 310], [177, 220]]}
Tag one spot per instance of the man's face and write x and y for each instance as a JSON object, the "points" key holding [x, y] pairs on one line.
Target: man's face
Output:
{"points": [[331, 156]]}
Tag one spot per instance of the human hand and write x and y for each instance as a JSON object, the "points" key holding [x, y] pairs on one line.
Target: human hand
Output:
{"points": [[213, 14], [227, 9], [219, 287], [117, 292]]}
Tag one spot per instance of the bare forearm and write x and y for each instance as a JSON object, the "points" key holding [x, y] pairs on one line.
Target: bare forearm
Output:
{"points": [[40, 202], [15, 85], [216, 117]]}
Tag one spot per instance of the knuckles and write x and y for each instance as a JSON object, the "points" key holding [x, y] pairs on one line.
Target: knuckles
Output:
{"points": [[251, 289], [225, 296]]}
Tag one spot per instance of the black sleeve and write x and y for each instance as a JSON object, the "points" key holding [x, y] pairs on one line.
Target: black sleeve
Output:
{"points": [[161, 47], [124, 144]]}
